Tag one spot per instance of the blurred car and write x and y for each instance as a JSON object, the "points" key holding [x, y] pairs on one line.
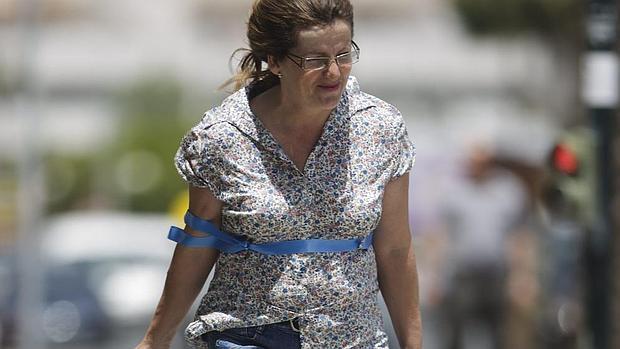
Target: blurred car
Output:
{"points": [[102, 274]]}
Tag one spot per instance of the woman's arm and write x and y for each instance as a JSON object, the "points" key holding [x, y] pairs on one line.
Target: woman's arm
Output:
{"points": [[396, 266], [186, 276]]}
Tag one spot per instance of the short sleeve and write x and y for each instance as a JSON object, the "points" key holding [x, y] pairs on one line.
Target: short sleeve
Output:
{"points": [[198, 161], [404, 150]]}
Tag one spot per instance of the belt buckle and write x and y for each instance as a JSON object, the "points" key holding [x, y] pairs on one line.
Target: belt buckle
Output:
{"points": [[292, 323]]}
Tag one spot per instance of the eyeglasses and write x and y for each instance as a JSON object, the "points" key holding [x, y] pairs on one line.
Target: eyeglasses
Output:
{"points": [[319, 63]]}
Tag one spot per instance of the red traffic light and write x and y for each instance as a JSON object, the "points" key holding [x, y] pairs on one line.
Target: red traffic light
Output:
{"points": [[565, 160]]}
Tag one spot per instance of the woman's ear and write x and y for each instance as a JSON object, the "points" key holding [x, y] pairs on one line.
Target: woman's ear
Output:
{"points": [[273, 65]]}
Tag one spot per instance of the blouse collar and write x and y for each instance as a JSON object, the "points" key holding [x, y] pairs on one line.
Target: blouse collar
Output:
{"points": [[235, 109]]}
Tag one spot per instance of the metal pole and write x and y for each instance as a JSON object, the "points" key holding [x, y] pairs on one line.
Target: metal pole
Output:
{"points": [[30, 185], [600, 94]]}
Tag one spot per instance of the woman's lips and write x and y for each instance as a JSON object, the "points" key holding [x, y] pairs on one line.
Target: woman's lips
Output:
{"points": [[330, 87]]}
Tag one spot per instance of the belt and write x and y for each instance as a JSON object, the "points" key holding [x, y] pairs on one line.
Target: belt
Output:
{"points": [[229, 243]]}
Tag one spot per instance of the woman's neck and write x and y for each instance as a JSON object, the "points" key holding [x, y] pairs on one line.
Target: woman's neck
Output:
{"points": [[275, 109]]}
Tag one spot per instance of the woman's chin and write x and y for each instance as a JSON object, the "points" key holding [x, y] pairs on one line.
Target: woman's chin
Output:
{"points": [[329, 102], [328, 107]]}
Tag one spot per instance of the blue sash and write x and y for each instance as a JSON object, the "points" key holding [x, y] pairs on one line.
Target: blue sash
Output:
{"points": [[231, 244]]}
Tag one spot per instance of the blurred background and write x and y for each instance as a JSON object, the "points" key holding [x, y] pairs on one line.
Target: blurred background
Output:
{"points": [[512, 105]]}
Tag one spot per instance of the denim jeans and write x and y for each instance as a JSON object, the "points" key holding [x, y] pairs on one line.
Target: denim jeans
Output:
{"points": [[281, 335]]}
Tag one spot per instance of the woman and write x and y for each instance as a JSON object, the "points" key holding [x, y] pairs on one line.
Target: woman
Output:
{"points": [[298, 195]]}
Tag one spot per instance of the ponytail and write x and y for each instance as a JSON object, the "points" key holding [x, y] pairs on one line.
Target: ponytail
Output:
{"points": [[250, 71]]}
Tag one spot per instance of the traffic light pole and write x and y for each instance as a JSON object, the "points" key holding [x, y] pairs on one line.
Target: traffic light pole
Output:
{"points": [[600, 94]]}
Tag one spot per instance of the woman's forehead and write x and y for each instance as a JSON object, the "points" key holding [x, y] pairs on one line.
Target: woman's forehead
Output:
{"points": [[324, 39]]}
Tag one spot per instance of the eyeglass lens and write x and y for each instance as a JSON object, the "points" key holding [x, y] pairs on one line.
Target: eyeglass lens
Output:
{"points": [[323, 62]]}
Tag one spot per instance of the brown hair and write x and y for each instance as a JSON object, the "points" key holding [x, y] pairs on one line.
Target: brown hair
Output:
{"points": [[272, 31]]}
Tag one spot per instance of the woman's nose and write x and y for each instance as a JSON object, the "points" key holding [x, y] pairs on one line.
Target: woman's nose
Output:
{"points": [[333, 69]]}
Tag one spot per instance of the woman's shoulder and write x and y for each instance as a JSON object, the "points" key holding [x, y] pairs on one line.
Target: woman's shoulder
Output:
{"points": [[367, 108], [211, 137], [219, 122]]}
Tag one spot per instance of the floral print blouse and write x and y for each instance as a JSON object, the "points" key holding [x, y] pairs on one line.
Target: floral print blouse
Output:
{"points": [[266, 198]]}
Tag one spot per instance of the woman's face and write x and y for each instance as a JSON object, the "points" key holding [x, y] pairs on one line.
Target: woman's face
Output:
{"points": [[318, 90]]}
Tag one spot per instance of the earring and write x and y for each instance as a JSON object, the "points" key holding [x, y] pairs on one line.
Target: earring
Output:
{"points": [[279, 75]]}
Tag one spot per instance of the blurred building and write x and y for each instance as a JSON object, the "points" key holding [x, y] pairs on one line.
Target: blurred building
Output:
{"points": [[88, 50]]}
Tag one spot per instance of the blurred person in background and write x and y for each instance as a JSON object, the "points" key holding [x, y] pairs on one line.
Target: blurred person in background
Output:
{"points": [[307, 176], [480, 212]]}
